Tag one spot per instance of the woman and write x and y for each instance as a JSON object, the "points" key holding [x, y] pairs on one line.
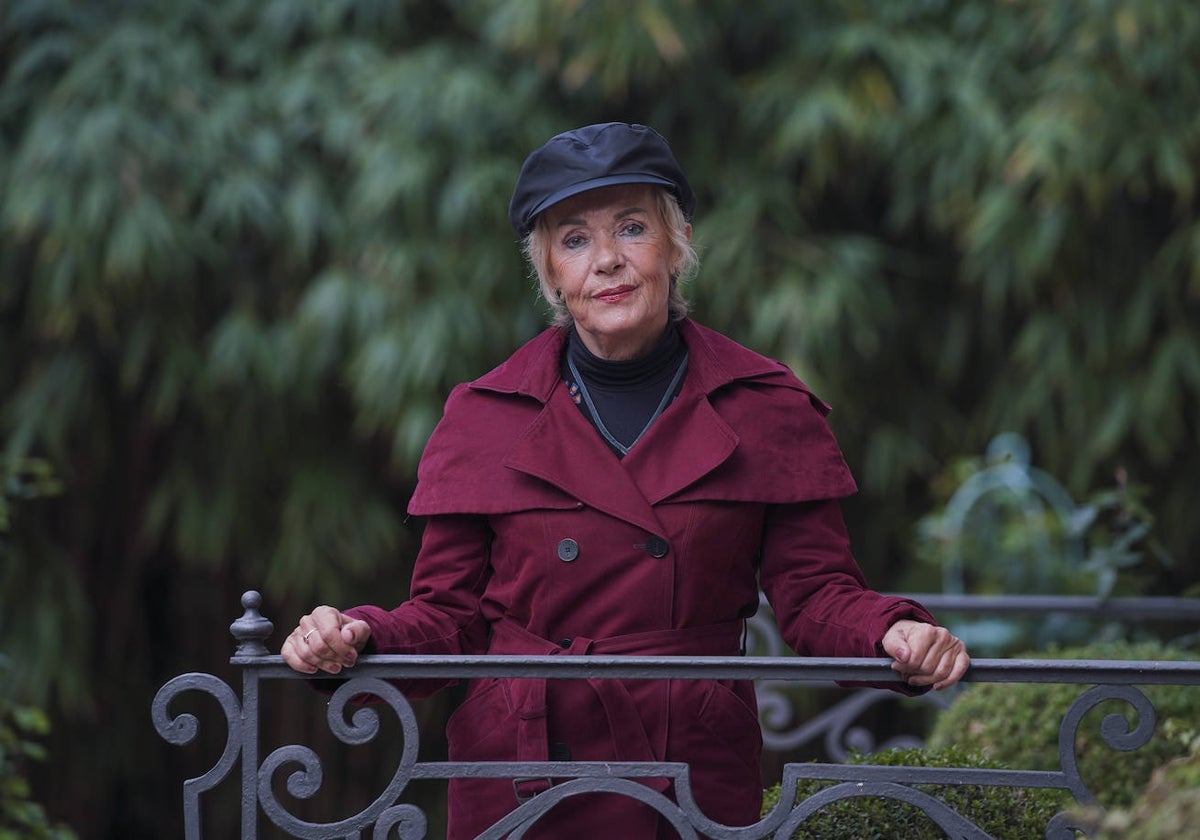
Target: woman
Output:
{"points": [[623, 484]]}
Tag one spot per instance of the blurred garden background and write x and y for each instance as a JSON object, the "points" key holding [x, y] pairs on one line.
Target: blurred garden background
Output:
{"points": [[248, 246]]}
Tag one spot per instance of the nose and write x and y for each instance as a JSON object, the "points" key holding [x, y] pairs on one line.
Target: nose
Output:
{"points": [[607, 256]]}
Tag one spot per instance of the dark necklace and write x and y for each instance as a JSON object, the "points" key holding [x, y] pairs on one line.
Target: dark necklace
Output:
{"points": [[622, 399], [599, 421]]}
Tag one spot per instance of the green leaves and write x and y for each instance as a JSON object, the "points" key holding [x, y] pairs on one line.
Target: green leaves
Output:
{"points": [[951, 219], [1001, 812], [24, 479], [21, 816]]}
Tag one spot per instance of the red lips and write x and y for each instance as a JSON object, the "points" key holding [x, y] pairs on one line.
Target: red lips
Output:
{"points": [[614, 294]]}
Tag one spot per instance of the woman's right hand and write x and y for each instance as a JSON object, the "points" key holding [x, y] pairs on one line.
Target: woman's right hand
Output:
{"points": [[325, 640]]}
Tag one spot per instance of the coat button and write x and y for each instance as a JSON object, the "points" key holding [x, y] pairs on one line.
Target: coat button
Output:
{"points": [[656, 547], [565, 643], [568, 550], [559, 751]]}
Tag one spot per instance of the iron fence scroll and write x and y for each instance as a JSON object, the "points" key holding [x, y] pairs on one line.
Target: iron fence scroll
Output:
{"points": [[300, 768]]}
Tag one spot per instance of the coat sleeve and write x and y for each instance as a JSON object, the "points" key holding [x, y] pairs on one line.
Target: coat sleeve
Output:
{"points": [[816, 588], [443, 613]]}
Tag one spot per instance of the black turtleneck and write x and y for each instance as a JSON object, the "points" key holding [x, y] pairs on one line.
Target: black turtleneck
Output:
{"points": [[627, 395]]}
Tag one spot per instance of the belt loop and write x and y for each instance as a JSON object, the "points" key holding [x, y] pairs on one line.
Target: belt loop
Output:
{"points": [[533, 738], [527, 787]]}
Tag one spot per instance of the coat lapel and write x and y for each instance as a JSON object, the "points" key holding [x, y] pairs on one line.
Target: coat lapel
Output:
{"points": [[685, 444], [561, 448]]}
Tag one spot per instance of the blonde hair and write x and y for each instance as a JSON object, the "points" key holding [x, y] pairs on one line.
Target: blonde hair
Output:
{"points": [[536, 247]]}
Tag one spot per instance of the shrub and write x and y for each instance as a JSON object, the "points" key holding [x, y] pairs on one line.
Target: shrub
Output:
{"points": [[1018, 725], [1004, 813], [21, 818], [1167, 809]]}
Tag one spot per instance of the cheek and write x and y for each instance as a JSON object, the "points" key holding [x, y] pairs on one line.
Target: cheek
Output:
{"points": [[656, 261], [565, 273]]}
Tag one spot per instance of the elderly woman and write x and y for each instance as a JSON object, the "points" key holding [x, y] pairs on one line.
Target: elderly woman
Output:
{"points": [[624, 484]]}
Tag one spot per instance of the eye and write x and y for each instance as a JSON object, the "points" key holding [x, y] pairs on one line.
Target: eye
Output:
{"points": [[574, 241], [633, 229]]}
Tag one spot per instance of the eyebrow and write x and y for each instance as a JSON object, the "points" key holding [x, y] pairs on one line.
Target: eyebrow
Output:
{"points": [[629, 211]]}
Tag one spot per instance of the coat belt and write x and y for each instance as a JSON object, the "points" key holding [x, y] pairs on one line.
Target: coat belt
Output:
{"points": [[624, 720]]}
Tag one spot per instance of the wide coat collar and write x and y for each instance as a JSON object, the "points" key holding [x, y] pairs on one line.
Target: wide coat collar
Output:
{"points": [[742, 428]]}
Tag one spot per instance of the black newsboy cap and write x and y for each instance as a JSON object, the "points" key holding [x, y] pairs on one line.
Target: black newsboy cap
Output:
{"points": [[595, 156]]}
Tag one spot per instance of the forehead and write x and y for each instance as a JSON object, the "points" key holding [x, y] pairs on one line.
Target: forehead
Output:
{"points": [[602, 203]]}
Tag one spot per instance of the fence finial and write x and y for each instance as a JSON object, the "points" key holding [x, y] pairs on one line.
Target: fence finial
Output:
{"points": [[251, 630]]}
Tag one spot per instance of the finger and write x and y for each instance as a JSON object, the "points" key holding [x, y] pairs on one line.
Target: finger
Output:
{"points": [[296, 654], [961, 663], [895, 640], [933, 653], [313, 639], [320, 652], [937, 658], [322, 629], [338, 638], [913, 653], [356, 633], [948, 666], [306, 648]]}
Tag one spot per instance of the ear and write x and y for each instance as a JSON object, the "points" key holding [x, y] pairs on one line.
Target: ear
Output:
{"points": [[547, 275], [547, 282], [678, 253]]}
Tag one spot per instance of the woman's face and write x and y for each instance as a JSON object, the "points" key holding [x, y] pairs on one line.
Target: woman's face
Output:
{"points": [[611, 258]]}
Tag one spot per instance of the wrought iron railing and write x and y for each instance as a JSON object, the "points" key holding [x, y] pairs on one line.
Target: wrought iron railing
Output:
{"points": [[387, 816], [836, 729]]}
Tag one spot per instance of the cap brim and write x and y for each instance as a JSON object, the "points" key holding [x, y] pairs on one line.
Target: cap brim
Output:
{"points": [[594, 183]]}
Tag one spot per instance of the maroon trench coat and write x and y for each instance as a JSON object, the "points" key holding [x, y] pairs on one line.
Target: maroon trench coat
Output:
{"points": [[540, 540]]}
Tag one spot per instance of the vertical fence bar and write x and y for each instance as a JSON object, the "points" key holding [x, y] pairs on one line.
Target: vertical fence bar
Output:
{"points": [[249, 753], [251, 632]]}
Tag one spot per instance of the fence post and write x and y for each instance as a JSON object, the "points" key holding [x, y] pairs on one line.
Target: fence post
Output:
{"points": [[251, 632]]}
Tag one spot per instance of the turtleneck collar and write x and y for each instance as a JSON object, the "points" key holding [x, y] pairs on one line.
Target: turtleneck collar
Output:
{"points": [[662, 359]]}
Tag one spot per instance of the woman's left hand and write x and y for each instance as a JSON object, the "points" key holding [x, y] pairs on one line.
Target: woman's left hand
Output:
{"points": [[926, 654]]}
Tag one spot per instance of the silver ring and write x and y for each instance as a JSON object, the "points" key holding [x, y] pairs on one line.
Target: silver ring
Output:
{"points": [[309, 633]]}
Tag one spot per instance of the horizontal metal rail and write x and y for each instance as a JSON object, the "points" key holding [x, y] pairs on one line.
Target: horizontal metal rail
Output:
{"points": [[797, 669]]}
